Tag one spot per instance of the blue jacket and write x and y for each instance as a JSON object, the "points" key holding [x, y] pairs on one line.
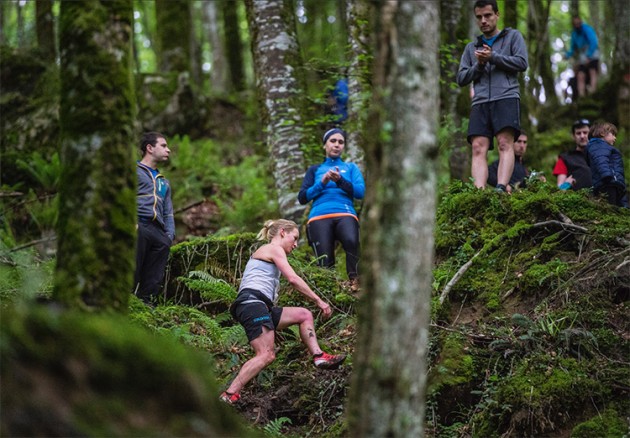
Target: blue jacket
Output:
{"points": [[584, 42], [333, 198], [606, 163], [154, 199], [498, 79]]}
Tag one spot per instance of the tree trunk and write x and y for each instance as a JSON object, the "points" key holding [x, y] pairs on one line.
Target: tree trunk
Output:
{"points": [[218, 67], [510, 14], [277, 66], [174, 32], [96, 238], [45, 30], [359, 73], [389, 379], [455, 28], [539, 54], [620, 74], [234, 45]]}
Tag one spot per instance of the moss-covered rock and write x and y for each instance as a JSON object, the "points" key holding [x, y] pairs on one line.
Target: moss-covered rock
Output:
{"points": [[66, 373]]}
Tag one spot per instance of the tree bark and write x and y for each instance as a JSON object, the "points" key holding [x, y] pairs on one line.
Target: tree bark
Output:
{"points": [[277, 65], [218, 67], [539, 50], [233, 45], [359, 73], [455, 28], [45, 30], [620, 74], [173, 35], [389, 379], [97, 214]]}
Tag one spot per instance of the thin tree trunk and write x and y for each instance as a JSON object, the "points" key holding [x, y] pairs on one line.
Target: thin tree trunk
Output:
{"points": [[233, 45], [97, 214], [277, 65], [218, 67], [620, 74], [455, 27], [510, 13], [389, 378], [173, 35], [359, 72], [45, 30]]}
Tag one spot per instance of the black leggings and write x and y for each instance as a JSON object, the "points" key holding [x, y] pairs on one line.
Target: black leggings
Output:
{"points": [[322, 235]]}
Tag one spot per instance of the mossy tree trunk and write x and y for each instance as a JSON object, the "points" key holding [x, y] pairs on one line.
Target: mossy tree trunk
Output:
{"points": [[389, 377], [359, 73], [277, 66], [96, 237], [539, 51], [233, 45], [174, 30]]}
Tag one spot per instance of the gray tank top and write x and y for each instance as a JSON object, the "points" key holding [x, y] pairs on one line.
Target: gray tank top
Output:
{"points": [[261, 276]]}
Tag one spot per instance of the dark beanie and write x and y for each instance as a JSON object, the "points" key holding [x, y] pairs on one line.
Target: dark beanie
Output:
{"points": [[334, 131]]}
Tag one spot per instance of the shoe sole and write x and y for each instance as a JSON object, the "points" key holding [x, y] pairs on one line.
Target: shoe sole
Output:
{"points": [[331, 365]]}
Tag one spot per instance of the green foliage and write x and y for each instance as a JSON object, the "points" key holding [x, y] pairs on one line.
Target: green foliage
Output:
{"points": [[209, 288], [241, 187], [607, 424], [274, 428]]}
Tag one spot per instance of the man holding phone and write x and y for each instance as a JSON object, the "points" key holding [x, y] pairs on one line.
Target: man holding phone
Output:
{"points": [[492, 64]]}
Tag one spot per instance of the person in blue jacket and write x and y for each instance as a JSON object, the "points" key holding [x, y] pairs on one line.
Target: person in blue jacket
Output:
{"points": [[585, 49], [156, 224], [332, 186], [606, 164]]}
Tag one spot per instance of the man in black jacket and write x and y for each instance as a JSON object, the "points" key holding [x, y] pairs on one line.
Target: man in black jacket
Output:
{"points": [[571, 170]]}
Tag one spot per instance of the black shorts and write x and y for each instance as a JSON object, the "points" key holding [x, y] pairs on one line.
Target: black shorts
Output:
{"points": [[253, 316], [487, 119], [593, 64]]}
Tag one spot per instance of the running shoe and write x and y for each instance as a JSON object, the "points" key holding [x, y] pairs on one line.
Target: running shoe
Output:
{"points": [[228, 398], [327, 361]]}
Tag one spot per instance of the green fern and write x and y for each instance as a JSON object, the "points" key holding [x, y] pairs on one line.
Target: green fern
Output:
{"points": [[209, 288], [274, 427]]}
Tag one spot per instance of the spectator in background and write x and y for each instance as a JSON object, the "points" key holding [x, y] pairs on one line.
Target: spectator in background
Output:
{"points": [[571, 169], [606, 164], [339, 101], [333, 186], [156, 225], [492, 63], [585, 51], [521, 173]]}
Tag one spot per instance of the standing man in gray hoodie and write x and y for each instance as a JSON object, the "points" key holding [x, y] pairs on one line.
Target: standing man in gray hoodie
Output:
{"points": [[492, 64], [156, 225]]}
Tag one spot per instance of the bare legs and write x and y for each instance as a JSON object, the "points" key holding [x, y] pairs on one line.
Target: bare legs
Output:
{"points": [[480, 146], [264, 345]]}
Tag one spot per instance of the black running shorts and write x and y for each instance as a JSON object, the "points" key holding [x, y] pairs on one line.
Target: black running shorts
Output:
{"points": [[253, 316], [487, 119]]}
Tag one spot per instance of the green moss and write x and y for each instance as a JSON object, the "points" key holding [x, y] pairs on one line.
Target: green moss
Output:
{"points": [[608, 424], [117, 379], [454, 365]]}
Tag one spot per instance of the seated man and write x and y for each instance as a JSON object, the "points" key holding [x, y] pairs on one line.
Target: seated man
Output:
{"points": [[520, 173], [571, 169]]}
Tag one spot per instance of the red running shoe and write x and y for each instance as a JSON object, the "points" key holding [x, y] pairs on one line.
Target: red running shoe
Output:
{"points": [[327, 361], [228, 398]]}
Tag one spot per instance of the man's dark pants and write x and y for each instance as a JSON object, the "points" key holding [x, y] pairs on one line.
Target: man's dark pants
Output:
{"points": [[151, 257]]}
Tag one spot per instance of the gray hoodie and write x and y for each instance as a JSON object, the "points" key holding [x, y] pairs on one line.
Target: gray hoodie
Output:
{"points": [[498, 78], [154, 199]]}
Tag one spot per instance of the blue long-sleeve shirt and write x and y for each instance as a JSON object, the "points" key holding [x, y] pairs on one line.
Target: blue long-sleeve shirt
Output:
{"points": [[584, 40], [334, 197]]}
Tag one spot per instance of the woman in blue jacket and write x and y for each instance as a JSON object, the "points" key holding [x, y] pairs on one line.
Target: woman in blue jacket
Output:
{"points": [[333, 186], [606, 164]]}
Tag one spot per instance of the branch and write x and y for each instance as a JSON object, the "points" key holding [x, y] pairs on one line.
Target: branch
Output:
{"points": [[457, 276], [562, 225], [11, 194], [32, 243], [189, 206]]}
